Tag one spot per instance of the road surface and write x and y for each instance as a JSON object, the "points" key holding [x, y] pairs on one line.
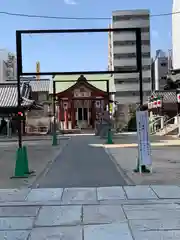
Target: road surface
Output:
{"points": [[82, 165]]}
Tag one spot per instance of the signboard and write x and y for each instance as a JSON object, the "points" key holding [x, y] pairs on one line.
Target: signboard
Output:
{"points": [[82, 92], [144, 146]]}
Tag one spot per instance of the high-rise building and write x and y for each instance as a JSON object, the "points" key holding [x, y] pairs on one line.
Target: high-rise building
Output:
{"points": [[160, 67], [7, 66], [176, 35], [124, 54]]}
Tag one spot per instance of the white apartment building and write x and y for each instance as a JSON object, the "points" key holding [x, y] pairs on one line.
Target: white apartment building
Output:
{"points": [[7, 66], [124, 54], [161, 67]]}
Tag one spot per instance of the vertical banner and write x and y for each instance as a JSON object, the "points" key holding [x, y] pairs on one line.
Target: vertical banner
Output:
{"points": [[144, 146]]}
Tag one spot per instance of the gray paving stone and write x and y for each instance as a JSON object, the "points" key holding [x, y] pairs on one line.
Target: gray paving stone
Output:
{"points": [[110, 193], [167, 191], [19, 211], [149, 207], [140, 212], [14, 235], [45, 194], [16, 223], [59, 215], [56, 233], [13, 194], [115, 231], [72, 195], [155, 224], [157, 235], [140, 192], [102, 214]]}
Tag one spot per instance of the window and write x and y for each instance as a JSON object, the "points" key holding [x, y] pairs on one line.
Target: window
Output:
{"points": [[130, 17], [124, 55], [131, 93], [148, 67], [131, 80], [143, 30], [130, 43], [130, 55], [163, 64]]}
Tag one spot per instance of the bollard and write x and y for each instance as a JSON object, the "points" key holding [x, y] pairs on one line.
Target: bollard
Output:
{"points": [[109, 137]]}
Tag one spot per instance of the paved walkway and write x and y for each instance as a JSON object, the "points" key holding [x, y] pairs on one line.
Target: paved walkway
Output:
{"points": [[110, 213], [81, 164]]}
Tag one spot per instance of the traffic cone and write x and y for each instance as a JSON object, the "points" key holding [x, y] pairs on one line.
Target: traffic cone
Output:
{"points": [[26, 163], [19, 167]]}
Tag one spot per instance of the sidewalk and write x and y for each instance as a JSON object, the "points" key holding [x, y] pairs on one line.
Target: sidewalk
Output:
{"points": [[128, 213], [165, 163], [40, 155]]}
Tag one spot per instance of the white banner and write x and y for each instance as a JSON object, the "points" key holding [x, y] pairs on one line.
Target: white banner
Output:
{"points": [[144, 146]]}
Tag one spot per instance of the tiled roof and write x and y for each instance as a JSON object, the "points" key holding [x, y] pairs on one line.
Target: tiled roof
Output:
{"points": [[40, 86], [8, 96], [168, 96], [37, 86], [62, 86]]}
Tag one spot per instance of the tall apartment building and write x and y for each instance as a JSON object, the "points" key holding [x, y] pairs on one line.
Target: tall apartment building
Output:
{"points": [[124, 54], [7, 66], [160, 68], [176, 35]]}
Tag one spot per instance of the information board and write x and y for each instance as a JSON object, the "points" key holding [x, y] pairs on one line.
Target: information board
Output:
{"points": [[144, 146]]}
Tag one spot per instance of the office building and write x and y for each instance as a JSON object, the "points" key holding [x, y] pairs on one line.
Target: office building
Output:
{"points": [[123, 54]]}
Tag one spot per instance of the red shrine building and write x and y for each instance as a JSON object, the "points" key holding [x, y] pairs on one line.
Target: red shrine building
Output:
{"points": [[81, 99]]}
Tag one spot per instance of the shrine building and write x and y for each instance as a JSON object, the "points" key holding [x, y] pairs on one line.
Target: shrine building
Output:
{"points": [[81, 102]]}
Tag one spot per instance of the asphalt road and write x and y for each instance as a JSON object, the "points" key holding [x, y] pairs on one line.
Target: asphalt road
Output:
{"points": [[81, 165]]}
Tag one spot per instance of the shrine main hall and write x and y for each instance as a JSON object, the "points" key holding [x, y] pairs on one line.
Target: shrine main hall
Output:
{"points": [[80, 100]]}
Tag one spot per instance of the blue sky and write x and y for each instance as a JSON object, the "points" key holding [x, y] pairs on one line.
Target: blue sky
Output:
{"points": [[74, 52]]}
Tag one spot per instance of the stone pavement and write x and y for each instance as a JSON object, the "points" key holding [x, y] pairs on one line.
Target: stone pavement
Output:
{"points": [[40, 154], [105, 213], [165, 163]]}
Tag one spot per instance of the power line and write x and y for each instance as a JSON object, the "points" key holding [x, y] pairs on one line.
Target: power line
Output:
{"points": [[74, 18]]}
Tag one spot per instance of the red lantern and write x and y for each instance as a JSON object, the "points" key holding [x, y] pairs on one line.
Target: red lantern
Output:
{"points": [[159, 103], [178, 97]]}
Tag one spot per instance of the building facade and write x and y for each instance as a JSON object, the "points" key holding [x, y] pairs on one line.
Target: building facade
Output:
{"points": [[124, 54], [160, 69], [176, 35], [81, 99], [7, 66]]}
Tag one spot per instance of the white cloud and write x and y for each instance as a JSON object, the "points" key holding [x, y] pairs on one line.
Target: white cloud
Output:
{"points": [[70, 2]]}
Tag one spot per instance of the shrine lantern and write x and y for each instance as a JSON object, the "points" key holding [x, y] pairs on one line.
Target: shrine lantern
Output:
{"points": [[155, 103], [159, 102], [178, 97]]}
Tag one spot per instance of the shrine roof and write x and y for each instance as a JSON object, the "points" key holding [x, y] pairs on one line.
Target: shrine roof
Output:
{"points": [[62, 86]]}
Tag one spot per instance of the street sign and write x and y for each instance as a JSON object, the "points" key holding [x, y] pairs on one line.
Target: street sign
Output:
{"points": [[144, 147]]}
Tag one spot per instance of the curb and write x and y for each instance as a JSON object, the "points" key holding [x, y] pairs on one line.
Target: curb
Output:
{"points": [[127, 179], [33, 139]]}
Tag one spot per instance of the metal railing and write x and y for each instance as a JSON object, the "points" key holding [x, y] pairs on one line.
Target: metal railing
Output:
{"points": [[155, 126], [166, 124]]}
